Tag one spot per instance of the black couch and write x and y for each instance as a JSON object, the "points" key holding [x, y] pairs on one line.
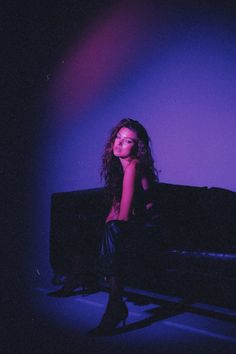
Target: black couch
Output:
{"points": [[191, 242]]}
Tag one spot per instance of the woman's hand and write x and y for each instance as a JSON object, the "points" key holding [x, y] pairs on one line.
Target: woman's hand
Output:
{"points": [[114, 212]]}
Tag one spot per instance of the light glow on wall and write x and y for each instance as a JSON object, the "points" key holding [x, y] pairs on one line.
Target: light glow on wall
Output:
{"points": [[141, 60]]}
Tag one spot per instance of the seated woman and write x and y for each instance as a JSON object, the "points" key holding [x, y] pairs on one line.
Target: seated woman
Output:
{"points": [[129, 175]]}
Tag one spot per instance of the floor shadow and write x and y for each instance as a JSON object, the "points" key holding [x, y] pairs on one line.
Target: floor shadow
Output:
{"points": [[156, 314], [84, 292], [185, 305], [221, 314]]}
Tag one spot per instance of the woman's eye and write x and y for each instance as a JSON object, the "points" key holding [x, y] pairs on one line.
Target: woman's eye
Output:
{"points": [[127, 141]]}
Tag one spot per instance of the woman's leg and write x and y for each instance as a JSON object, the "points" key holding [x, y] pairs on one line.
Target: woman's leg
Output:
{"points": [[116, 292], [111, 253], [116, 310]]}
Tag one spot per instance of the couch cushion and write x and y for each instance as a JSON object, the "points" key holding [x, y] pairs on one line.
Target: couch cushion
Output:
{"points": [[197, 218], [207, 263]]}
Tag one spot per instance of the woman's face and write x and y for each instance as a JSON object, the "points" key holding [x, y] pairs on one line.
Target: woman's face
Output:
{"points": [[125, 143]]}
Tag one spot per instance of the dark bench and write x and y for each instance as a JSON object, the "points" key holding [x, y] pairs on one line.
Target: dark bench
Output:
{"points": [[191, 240]]}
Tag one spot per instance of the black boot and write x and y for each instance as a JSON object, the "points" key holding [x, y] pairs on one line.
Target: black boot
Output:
{"points": [[116, 312], [80, 276]]}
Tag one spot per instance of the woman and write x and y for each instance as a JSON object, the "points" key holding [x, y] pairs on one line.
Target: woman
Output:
{"points": [[129, 175]]}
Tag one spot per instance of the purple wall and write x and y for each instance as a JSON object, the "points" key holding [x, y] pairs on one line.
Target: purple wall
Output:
{"points": [[171, 67], [172, 71], [70, 71]]}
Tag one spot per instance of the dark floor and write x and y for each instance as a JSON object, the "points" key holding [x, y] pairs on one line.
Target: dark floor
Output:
{"points": [[157, 323]]}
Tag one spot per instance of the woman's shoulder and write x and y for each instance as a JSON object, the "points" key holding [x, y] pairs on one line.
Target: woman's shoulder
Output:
{"points": [[136, 164], [132, 171]]}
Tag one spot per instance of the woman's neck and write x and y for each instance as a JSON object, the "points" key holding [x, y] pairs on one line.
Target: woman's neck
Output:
{"points": [[125, 162]]}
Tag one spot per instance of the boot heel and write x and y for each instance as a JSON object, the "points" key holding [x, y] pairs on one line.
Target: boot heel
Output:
{"points": [[116, 312]]}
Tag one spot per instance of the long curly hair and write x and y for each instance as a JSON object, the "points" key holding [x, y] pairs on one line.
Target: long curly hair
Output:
{"points": [[112, 172]]}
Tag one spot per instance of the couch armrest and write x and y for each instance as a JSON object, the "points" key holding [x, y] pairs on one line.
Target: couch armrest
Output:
{"points": [[76, 222]]}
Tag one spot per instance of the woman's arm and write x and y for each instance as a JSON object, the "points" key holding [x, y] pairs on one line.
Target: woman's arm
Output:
{"points": [[113, 214], [128, 190]]}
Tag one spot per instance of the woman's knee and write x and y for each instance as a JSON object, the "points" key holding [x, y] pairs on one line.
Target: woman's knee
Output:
{"points": [[116, 225]]}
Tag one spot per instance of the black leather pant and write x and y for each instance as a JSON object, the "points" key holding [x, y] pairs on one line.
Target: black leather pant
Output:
{"points": [[119, 248]]}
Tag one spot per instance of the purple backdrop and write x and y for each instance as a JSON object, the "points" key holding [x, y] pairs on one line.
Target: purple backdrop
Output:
{"points": [[170, 67]]}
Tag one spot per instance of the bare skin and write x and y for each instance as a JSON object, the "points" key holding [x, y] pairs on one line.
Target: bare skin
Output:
{"points": [[123, 147]]}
